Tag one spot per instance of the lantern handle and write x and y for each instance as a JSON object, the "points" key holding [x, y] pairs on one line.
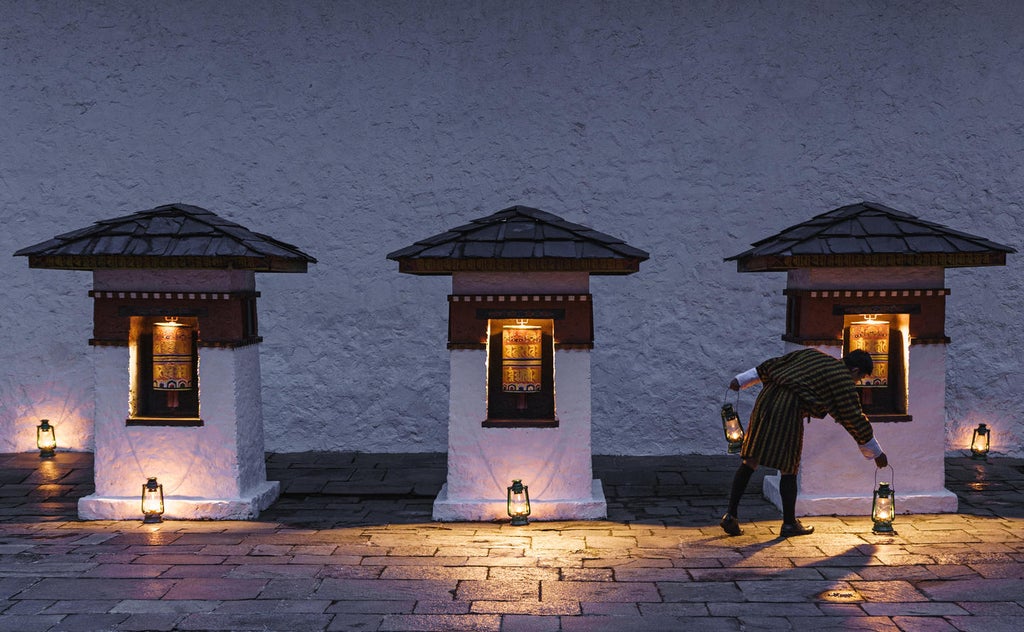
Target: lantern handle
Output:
{"points": [[892, 476], [737, 393]]}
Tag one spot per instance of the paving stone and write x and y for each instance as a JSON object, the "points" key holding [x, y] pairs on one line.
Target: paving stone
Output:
{"points": [[526, 607], [216, 588], [356, 623], [92, 622], [149, 623], [369, 563], [155, 606], [598, 591], [28, 623], [530, 623], [973, 590], [87, 588], [923, 624], [263, 622], [391, 589], [985, 624]]}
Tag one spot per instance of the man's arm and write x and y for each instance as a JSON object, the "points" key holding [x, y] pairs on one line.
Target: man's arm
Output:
{"points": [[746, 379]]}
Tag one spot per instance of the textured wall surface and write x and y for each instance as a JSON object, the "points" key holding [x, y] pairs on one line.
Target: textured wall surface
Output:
{"points": [[350, 129]]}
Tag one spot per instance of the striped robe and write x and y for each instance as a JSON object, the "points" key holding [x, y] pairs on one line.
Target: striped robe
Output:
{"points": [[801, 383]]}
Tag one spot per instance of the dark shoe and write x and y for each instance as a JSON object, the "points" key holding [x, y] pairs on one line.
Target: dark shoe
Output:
{"points": [[730, 525], [795, 528]]}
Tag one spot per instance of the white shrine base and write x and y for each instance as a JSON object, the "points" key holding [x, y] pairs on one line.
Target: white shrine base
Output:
{"points": [[483, 509], [917, 502], [835, 479], [96, 507]]}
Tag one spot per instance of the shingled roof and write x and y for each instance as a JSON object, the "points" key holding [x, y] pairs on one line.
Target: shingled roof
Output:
{"points": [[868, 235], [519, 239], [171, 236]]}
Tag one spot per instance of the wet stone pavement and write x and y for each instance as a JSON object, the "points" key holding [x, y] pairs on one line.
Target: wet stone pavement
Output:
{"points": [[350, 546]]}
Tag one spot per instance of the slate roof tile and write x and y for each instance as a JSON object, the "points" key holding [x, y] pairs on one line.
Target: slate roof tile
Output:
{"points": [[170, 231], [560, 248], [868, 230], [520, 234]]}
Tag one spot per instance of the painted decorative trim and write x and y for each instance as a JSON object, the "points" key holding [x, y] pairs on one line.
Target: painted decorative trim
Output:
{"points": [[184, 422], [813, 342], [170, 296], [907, 293], [889, 418], [514, 298], [559, 346], [209, 344], [519, 423]]}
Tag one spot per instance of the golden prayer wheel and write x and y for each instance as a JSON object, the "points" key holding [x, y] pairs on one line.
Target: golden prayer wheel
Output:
{"points": [[521, 355], [872, 335], [172, 359]]}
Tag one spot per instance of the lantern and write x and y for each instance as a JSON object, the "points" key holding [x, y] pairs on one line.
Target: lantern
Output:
{"points": [[521, 358], [883, 509], [46, 440], [152, 501], [172, 359], [980, 442], [518, 504], [732, 427]]}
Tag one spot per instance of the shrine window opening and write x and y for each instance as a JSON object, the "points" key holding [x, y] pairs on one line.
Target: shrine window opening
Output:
{"points": [[520, 373], [886, 337], [164, 371]]}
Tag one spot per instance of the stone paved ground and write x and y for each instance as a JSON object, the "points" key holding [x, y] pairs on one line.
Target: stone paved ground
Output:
{"points": [[350, 546]]}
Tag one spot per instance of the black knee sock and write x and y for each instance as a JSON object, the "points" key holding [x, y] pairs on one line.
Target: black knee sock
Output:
{"points": [[739, 485], [787, 490]]}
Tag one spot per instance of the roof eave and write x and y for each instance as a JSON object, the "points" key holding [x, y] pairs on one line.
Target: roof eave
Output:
{"points": [[122, 262], [782, 263], [445, 266]]}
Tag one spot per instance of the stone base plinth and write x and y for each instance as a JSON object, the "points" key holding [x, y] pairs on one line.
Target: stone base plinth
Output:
{"points": [[594, 507], [96, 507], [938, 501]]}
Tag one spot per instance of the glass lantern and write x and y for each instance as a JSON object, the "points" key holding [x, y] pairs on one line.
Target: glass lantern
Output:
{"points": [[883, 509], [518, 503], [732, 427], [980, 442], [46, 440], [152, 501]]}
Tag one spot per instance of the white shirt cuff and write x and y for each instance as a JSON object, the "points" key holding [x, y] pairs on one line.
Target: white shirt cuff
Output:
{"points": [[871, 449], [748, 378]]}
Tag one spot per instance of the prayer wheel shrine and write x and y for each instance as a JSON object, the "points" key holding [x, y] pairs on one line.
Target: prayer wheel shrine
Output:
{"points": [[520, 331], [177, 371], [866, 276]]}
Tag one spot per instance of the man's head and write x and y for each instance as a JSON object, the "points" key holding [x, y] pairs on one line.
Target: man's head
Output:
{"points": [[859, 362]]}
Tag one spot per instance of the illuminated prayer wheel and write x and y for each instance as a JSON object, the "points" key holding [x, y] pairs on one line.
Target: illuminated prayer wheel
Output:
{"points": [[173, 368], [521, 356], [872, 335]]}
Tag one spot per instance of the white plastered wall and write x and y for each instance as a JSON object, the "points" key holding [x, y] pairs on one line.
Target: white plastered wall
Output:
{"points": [[555, 463], [214, 471], [834, 477]]}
